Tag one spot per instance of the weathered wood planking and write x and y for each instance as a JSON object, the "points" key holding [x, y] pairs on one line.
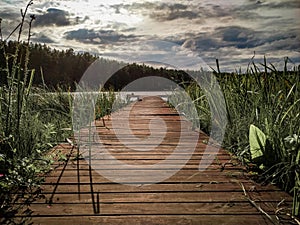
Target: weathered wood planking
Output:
{"points": [[212, 196]]}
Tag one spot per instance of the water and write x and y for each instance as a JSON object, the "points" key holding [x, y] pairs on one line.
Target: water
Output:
{"points": [[135, 95]]}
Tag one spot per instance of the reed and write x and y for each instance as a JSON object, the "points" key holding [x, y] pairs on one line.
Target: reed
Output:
{"points": [[31, 122], [264, 102]]}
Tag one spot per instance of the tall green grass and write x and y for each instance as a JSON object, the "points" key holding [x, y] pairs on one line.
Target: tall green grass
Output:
{"points": [[270, 101], [202, 117], [107, 102], [32, 120], [266, 102]]}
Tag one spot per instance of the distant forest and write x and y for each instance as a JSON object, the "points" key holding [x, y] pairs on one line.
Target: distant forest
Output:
{"points": [[63, 68]]}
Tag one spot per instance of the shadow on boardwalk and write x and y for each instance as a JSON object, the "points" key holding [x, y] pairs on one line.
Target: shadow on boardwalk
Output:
{"points": [[76, 193]]}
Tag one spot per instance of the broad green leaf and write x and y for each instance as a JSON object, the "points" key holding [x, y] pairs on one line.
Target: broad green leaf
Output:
{"points": [[257, 140]]}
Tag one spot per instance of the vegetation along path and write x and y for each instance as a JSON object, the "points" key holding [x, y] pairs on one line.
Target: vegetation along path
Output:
{"points": [[223, 193]]}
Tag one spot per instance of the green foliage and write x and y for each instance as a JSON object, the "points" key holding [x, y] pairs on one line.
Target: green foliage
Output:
{"points": [[42, 125], [293, 146], [31, 122], [34, 119], [105, 103], [263, 121], [202, 117], [257, 141]]}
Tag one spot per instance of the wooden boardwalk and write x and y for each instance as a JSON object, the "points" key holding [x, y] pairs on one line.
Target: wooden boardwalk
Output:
{"points": [[75, 193]]}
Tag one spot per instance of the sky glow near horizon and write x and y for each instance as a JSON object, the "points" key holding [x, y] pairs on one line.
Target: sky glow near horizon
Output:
{"points": [[228, 30]]}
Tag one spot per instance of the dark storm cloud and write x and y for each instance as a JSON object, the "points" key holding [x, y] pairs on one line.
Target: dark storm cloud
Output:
{"points": [[96, 37], [53, 17]]}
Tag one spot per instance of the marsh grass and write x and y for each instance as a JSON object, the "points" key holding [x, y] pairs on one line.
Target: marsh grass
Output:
{"points": [[202, 118], [108, 102], [32, 121], [269, 100]]}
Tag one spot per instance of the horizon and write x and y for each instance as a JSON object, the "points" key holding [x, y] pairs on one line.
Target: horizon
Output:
{"points": [[185, 34]]}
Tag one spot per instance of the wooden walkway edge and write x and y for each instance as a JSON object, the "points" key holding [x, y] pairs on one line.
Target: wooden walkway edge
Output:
{"points": [[76, 193]]}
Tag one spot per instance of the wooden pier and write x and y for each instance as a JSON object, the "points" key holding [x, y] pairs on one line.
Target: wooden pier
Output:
{"points": [[222, 193]]}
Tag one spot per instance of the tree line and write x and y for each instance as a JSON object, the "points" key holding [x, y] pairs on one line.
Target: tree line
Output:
{"points": [[52, 67], [64, 68]]}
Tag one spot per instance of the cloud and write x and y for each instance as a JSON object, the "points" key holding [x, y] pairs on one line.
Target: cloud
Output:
{"points": [[279, 42], [228, 30], [215, 11], [131, 29], [284, 4], [167, 12], [173, 15], [134, 7], [234, 46], [42, 39], [241, 37], [97, 37], [252, 16], [202, 43], [159, 11], [244, 38], [172, 7], [232, 36], [9, 22], [254, 4], [53, 17], [9, 15]]}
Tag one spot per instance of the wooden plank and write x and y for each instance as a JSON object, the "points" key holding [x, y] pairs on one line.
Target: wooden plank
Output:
{"points": [[155, 220], [132, 208], [164, 187], [162, 197], [189, 177], [140, 165]]}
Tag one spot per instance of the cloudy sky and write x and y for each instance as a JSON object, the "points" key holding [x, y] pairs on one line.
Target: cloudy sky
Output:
{"points": [[179, 33]]}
